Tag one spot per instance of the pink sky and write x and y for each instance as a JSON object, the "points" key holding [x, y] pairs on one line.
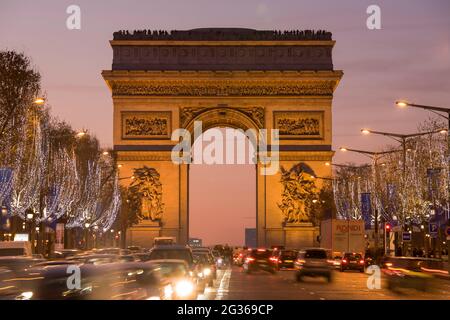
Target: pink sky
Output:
{"points": [[408, 58]]}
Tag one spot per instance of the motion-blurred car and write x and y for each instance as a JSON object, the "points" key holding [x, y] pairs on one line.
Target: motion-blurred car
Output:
{"points": [[313, 263], [178, 275], [352, 261], [259, 259], [65, 253], [95, 258], [116, 281], [409, 272], [135, 249], [284, 258], [18, 263]]}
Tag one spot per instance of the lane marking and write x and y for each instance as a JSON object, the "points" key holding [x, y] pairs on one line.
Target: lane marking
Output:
{"points": [[222, 291]]}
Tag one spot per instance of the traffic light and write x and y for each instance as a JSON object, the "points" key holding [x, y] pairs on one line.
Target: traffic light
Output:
{"points": [[387, 227]]}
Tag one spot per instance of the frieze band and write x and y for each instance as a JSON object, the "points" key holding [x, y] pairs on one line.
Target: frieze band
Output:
{"points": [[223, 87]]}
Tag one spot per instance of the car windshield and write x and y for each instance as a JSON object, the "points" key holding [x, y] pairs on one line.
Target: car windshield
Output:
{"points": [[171, 254], [315, 254], [173, 270], [5, 252], [288, 254]]}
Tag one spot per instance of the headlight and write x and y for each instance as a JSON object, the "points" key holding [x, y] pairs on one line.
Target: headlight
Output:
{"points": [[207, 272], [219, 260], [184, 288], [27, 295], [200, 274], [168, 291]]}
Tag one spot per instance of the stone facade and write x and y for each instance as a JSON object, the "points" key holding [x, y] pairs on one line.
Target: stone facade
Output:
{"points": [[241, 93]]}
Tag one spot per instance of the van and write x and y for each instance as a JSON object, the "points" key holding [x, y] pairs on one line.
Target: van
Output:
{"points": [[15, 248]]}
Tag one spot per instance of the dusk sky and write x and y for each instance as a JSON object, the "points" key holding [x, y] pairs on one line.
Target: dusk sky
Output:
{"points": [[408, 58]]}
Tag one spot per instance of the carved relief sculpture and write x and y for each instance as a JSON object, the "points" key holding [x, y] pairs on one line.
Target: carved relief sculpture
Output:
{"points": [[146, 125], [299, 124], [146, 194], [298, 193]]}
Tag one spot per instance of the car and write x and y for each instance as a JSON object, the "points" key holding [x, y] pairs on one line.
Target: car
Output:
{"points": [[410, 272], [206, 266], [115, 281], [95, 258], [259, 259], [18, 263], [183, 282], [352, 261], [134, 249], [313, 262], [65, 253], [336, 262], [172, 251], [142, 256], [284, 258]]}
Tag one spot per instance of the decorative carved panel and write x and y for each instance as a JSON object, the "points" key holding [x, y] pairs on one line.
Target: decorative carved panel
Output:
{"points": [[146, 125], [255, 113], [299, 124], [224, 87]]}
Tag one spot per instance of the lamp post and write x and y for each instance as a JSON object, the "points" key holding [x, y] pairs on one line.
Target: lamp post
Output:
{"points": [[30, 216], [444, 113], [86, 235], [375, 157], [4, 212]]}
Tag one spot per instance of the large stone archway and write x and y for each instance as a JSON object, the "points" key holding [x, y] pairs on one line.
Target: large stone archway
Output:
{"points": [[238, 78]]}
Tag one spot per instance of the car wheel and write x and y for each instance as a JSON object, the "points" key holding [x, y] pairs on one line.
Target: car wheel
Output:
{"points": [[329, 278], [298, 277]]}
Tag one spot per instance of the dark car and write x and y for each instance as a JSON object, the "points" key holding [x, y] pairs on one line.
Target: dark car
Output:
{"points": [[259, 259], [284, 258], [206, 266], [352, 261], [179, 252], [313, 263], [410, 272]]}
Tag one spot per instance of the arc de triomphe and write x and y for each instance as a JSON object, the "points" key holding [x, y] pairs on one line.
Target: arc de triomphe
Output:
{"points": [[239, 78]]}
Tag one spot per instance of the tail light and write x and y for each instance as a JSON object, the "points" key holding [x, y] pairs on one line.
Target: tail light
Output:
{"points": [[300, 261], [344, 260], [361, 261], [249, 259]]}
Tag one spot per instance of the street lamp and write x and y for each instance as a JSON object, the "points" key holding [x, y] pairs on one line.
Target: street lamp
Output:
{"points": [[81, 134], [39, 101]]}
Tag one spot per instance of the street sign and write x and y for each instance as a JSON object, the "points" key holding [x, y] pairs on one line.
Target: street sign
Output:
{"points": [[433, 228], [447, 231], [406, 236]]}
